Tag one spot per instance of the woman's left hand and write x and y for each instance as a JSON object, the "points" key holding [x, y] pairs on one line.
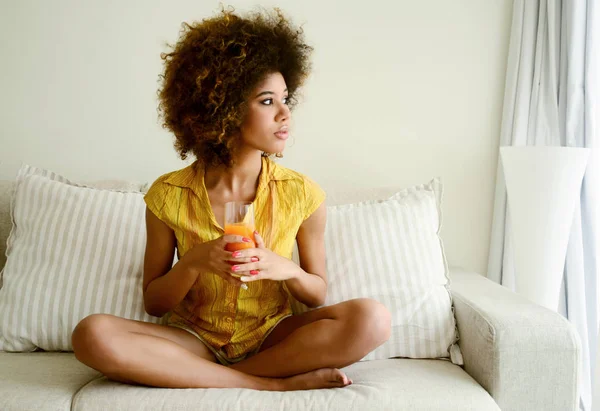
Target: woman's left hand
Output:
{"points": [[260, 263]]}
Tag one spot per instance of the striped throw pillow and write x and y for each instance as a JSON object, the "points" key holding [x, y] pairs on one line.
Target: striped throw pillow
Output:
{"points": [[73, 251], [391, 251]]}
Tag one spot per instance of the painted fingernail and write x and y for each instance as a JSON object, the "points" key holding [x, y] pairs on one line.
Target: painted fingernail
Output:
{"points": [[237, 254], [254, 259], [246, 240], [235, 268], [254, 272], [256, 232]]}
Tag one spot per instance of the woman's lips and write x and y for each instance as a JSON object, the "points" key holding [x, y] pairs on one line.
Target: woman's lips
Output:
{"points": [[283, 135]]}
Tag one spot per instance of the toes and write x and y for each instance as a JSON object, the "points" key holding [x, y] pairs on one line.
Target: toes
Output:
{"points": [[342, 379]]}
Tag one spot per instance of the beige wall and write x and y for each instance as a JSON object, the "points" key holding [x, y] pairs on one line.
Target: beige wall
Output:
{"points": [[401, 91]]}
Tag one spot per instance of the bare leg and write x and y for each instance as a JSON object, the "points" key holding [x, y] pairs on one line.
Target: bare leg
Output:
{"points": [[333, 336], [149, 354]]}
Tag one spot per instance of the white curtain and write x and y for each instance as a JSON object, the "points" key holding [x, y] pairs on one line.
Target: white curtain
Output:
{"points": [[551, 98]]}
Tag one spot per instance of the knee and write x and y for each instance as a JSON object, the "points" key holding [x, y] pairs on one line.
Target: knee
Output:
{"points": [[372, 319], [91, 339]]}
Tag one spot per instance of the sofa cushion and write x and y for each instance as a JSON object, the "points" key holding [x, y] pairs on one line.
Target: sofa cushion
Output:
{"points": [[6, 190], [396, 384], [73, 251], [390, 250], [41, 381]]}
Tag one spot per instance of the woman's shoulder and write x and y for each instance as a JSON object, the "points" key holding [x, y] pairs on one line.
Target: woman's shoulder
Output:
{"points": [[306, 188], [160, 181], [165, 187]]}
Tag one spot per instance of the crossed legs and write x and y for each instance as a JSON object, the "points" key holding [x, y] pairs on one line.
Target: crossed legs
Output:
{"points": [[302, 352]]}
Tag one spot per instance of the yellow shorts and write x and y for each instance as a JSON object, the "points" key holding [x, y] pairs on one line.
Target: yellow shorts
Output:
{"points": [[220, 354]]}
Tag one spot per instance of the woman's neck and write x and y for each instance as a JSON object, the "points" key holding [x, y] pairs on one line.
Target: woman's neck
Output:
{"points": [[238, 180]]}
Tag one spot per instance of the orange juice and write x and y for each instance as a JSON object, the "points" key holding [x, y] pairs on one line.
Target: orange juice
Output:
{"points": [[243, 230]]}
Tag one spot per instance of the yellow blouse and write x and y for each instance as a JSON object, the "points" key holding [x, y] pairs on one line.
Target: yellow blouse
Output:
{"points": [[229, 318]]}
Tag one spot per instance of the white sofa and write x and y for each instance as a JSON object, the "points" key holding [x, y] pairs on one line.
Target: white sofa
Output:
{"points": [[517, 356]]}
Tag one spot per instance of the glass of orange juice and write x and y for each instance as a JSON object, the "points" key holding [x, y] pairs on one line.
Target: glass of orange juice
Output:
{"points": [[239, 220]]}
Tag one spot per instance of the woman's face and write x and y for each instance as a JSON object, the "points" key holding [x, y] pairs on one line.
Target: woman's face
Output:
{"points": [[265, 126]]}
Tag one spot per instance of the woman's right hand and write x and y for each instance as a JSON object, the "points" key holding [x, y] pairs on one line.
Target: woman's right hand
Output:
{"points": [[211, 257]]}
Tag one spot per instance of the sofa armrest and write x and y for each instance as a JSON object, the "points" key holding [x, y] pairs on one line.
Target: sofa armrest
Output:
{"points": [[526, 356]]}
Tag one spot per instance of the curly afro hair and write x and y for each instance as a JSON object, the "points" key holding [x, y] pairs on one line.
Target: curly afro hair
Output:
{"points": [[211, 70]]}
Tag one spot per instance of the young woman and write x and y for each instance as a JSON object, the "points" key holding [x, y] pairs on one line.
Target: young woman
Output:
{"points": [[227, 90]]}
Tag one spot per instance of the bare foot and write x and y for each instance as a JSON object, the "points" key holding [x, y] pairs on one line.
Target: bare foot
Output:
{"points": [[322, 378]]}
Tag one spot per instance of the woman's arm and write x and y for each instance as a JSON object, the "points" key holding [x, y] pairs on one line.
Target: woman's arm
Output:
{"points": [[164, 286], [309, 284]]}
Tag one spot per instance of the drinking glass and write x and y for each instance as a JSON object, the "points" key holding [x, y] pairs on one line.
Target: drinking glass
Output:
{"points": [[239, 220]]}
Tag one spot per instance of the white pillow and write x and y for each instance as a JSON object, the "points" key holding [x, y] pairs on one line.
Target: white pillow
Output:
{"points": [[73, 251], [390, 250]]}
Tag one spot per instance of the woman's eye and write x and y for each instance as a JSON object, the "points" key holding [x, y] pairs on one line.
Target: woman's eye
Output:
{"points": [[269, 101]]}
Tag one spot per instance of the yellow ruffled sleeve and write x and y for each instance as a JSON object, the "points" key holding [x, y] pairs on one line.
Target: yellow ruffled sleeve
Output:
{"points": [[313, 197], [155, 198]]}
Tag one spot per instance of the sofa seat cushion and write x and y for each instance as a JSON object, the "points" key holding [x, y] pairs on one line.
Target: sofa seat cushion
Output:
{"points": [[41, 381], [393, 384]]}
